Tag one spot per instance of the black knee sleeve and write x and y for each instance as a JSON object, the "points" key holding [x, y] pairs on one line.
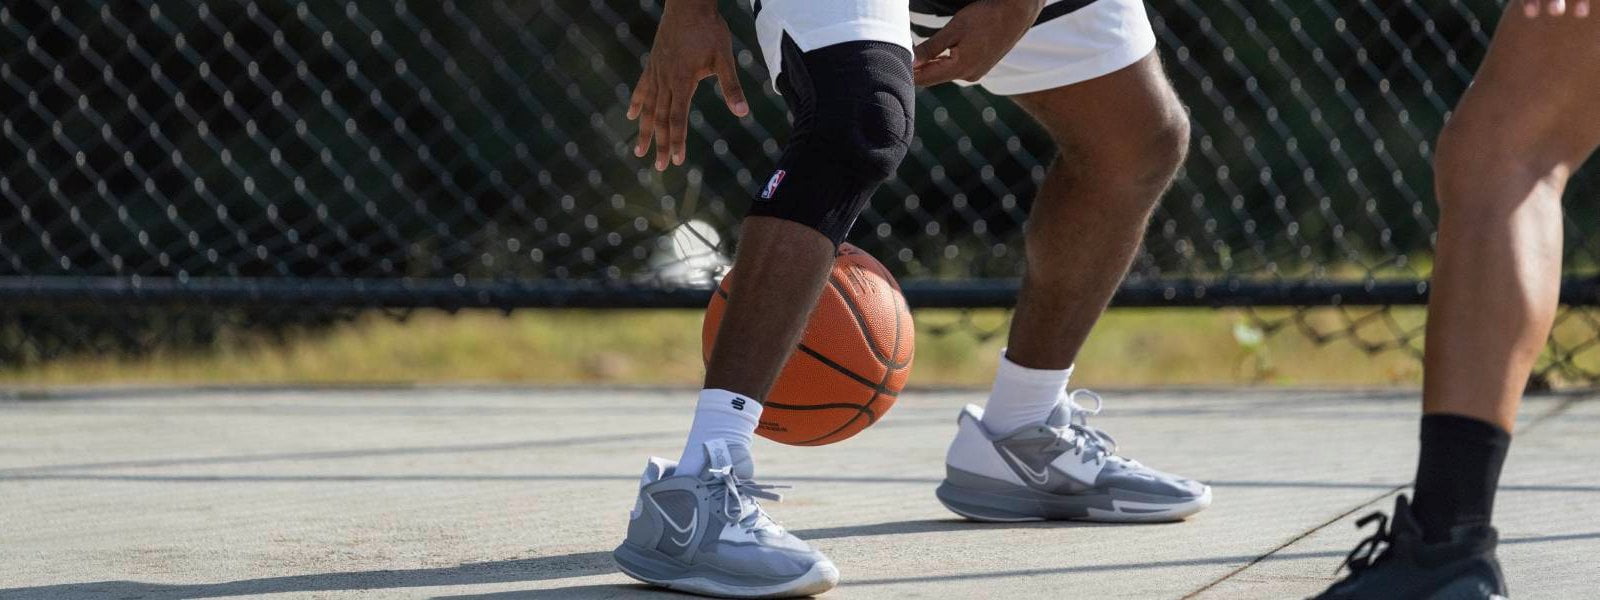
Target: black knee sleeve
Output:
{"points": [[852, 105]]}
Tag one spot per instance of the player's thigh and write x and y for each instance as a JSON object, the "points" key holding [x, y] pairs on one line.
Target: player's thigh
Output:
{"points": [[1537, 93], [1070, 42], [1136, 99], [1089, 73]]}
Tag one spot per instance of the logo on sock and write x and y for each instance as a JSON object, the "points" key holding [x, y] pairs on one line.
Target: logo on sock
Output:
{"points": [[738, 403]]}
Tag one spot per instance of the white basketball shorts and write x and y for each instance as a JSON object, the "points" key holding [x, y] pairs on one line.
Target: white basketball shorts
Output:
{"points": [[1071, 41]]}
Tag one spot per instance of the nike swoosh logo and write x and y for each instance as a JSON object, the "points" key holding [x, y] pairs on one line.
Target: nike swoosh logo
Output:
{"points": [[694, 520], [1039, 477]]}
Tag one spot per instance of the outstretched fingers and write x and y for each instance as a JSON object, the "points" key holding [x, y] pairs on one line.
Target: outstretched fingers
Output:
{"points": [[728, 82], [678, 130], [663, 126], [662, 98], [642, 108]]}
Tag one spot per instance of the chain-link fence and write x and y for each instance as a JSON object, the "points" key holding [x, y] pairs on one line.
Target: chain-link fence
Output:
{"points": [[172, 169]]}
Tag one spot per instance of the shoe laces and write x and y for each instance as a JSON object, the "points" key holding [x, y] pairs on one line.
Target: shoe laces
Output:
{"points": [[1081, 436], [739, 498], [1370, 551]]}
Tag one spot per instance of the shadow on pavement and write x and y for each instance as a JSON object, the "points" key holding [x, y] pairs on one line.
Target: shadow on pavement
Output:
{"points": [[579, 564], [584, 564], [587, 592], [526, 569], [1332, 555]]}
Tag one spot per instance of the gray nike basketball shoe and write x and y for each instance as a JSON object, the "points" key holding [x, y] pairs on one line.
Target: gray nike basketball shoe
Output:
{"points": [[1062, 469], [705, 533]]}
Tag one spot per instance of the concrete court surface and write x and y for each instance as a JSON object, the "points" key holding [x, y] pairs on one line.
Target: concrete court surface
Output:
{"points": [[492, 492]]}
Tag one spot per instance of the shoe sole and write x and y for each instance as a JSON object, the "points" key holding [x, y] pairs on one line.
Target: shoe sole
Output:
{"points": [[1024, 504], [638, 564]]}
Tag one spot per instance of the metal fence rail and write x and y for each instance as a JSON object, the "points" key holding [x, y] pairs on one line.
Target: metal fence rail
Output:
{"points": [[287, 159]]}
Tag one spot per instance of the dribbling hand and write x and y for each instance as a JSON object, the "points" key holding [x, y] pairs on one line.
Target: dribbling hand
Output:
{"points": [[692, 43], [976, 39]]}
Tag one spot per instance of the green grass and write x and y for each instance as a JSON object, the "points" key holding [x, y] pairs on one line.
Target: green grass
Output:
{"points": [[1130, 347]]}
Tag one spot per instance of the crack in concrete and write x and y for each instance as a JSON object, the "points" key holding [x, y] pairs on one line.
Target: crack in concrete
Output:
{"points": [[1557, 410]]}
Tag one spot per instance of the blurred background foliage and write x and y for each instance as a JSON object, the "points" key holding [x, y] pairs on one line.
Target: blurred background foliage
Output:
{"points": [[487, 141]]}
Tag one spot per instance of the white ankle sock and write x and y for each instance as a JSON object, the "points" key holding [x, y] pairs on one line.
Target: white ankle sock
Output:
{"points": [[1022, 396], [720, 415]]}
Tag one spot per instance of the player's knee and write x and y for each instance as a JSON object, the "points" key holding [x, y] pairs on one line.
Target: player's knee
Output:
{"points": [[1137, 162], [1478, 152], [853, 113], [1161, 152], [1174, 130], [1148, 154], [862, 108], [866, 134], [1464, 151]]}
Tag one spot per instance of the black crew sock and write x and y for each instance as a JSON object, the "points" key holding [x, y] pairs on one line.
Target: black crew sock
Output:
{"points": [[1457, 473]]}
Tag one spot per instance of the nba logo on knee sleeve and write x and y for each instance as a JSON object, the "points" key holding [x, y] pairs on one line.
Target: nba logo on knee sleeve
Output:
{"points": [[772, 184]]}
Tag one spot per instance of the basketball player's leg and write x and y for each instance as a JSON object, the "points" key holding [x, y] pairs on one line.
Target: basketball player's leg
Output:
{"points": [[852, 104], [1119, 140], [782, 267], [844, 67], [1531, 116], [1121, 134]]}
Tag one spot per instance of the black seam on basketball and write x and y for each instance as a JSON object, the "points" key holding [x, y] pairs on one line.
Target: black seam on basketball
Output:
{"points": [[872, 416], [895, 349], [861, 323], [848, 373], [881, 387], [888, 372], [879, 390], [859, 408]]}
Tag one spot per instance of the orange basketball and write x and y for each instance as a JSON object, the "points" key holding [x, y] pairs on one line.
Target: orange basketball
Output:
{"points": [[852, 362]]}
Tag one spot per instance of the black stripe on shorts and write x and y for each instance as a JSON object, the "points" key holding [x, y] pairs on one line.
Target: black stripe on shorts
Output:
{"points": [[945, 8]]}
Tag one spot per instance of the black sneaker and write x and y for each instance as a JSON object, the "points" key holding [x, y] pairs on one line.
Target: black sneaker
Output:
{"points": [[1462, 568]]}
